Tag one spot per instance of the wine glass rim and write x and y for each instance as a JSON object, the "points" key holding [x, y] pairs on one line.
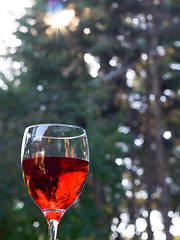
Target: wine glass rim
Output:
{"points": [[60, 125]]}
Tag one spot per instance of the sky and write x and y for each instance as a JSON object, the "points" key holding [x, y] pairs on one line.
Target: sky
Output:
{"points": [[9, 11]]}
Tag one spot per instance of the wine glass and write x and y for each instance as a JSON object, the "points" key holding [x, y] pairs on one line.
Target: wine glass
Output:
{"points": [[54, 159]]}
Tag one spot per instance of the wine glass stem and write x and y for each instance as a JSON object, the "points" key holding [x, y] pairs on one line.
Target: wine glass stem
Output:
{"points": [[53, 227]]}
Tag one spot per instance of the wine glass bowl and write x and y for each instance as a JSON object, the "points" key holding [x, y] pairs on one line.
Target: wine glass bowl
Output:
{"points": [[54, 160]]}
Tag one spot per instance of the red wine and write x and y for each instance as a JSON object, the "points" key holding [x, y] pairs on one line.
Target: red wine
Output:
{"points": [[54, 183]]}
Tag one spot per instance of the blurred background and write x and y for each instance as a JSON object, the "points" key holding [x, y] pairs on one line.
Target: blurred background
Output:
{"points": [[112, 67]]}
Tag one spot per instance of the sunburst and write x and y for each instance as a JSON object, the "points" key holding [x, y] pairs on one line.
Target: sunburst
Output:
{"points": [[58, 20]]}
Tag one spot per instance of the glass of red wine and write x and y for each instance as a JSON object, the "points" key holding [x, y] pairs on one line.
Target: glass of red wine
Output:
{"points": [[54, 160]]}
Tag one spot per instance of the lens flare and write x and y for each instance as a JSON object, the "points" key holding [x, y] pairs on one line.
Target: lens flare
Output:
{"points": [[60, 19]]}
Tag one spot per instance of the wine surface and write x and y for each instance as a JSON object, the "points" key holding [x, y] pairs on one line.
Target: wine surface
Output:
{"points": [[54, 183]]}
